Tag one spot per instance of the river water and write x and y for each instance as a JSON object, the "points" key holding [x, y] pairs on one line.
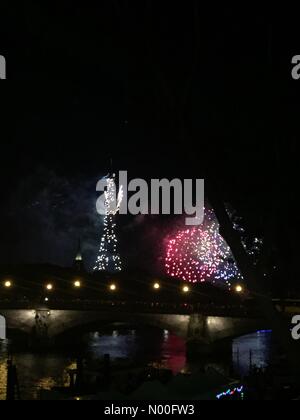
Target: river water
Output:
{"points": [[37, 371]]}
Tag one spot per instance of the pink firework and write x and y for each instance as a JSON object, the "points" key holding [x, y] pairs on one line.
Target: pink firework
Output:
{"points": [[200, 254]]}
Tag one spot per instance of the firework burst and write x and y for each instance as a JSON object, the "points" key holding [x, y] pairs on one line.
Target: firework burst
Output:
{"points": [[200, 254]]}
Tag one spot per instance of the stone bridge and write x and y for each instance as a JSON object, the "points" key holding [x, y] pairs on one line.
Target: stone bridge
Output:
{"points": [[201, 332]]}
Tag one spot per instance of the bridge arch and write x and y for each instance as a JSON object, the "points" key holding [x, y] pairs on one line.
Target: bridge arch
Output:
{"points": [[68, 321], [48, 324], [76, 335], [215, 334], [221, 328]]}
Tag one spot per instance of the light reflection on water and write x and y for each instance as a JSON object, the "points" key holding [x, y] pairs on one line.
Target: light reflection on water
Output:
{"points": [[35, 372], [253, 349], [38, 371], [142, 346]]}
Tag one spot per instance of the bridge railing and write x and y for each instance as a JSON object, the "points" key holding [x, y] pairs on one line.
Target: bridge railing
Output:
{"points": [[138, 306]]}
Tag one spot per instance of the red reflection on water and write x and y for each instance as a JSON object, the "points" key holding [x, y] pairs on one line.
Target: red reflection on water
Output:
{"points": [[174, 353]]}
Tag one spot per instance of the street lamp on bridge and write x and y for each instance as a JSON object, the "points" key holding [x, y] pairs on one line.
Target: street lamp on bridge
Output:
{"points": [[239, 288], [186, 289], [8, 284], [77, 284]]}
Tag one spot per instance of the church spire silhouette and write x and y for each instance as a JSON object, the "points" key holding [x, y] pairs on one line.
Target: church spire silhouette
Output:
{"points": [[78, 264]]}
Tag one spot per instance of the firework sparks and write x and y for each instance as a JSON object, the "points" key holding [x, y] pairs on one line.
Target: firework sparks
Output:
{"points": [[201, 254]]}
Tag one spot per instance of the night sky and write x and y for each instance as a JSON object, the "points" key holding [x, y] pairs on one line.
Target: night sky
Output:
{"points": [[166, 90]]}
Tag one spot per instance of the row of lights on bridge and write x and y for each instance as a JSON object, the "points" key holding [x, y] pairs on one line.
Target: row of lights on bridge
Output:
{"points": [[77, 285], [113, 287], [186, 289], [8, 284]]}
